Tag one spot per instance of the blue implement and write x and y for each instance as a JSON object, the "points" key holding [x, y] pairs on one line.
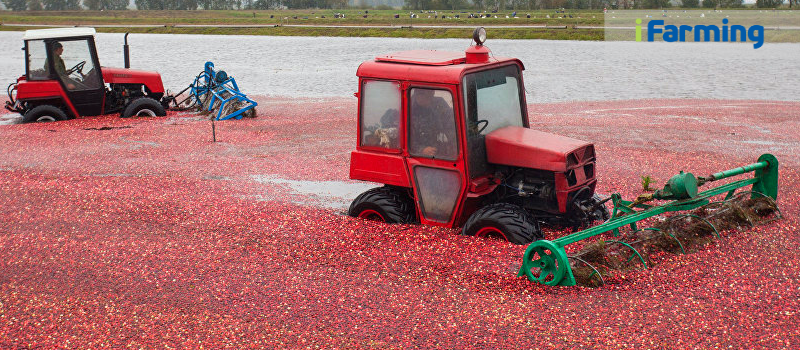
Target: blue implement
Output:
{"points": [[216, 92]]}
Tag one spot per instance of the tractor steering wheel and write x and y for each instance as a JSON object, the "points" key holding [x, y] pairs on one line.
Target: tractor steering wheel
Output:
{"points": [[77, 68], [477, 126]]}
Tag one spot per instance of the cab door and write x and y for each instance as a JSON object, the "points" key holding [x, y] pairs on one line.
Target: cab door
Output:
{"points": [[435, 159], [81, 77]]}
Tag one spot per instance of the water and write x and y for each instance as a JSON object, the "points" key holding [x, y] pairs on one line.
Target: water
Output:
{"points": [[327, 194], [555, 70]]}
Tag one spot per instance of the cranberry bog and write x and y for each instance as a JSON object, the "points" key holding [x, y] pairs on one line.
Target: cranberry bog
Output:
{"points": [[143, 233]]}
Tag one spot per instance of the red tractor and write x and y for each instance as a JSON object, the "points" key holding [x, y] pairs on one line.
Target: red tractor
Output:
{"points": [[448, 135], [63, 79]]}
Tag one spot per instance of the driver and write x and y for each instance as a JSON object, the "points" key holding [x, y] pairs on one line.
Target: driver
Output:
{"points": [[432, 125], [61, 69]]}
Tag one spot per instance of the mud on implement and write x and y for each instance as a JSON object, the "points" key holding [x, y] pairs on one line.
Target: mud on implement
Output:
{"points": [[547, 262]]}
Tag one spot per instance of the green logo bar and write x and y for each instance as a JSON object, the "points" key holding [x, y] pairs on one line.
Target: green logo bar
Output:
{"points": [[638, 29]]}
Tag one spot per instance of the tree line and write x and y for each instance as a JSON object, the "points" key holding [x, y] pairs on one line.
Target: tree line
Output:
{"points": [[502, 5], [482, 5], [102, 5]]}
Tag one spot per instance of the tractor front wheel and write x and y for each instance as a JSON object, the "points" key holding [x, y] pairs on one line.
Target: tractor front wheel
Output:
{"points": [[144, 107], [44, 114], [504, 220], [387, 204]]}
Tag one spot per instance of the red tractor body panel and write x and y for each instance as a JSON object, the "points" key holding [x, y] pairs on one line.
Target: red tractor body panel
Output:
{"points": [[442, 67], [571, 160], [152, 80], [44, 90], [389, 169], [528, 148]]}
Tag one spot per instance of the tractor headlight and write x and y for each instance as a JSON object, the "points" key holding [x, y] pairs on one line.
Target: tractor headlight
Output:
{"points": [[479, 35]]}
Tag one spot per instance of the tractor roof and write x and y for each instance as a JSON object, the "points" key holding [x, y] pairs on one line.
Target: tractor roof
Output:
{"points": [[52, 33], [425, 65]]}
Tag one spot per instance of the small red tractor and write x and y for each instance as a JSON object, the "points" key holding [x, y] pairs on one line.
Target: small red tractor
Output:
{"points": [[447, 134], [63, 79]]}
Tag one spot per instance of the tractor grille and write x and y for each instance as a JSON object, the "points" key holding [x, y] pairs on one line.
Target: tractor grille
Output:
{"points": [[588, 169], [588, 153], [588, 172], [572, 160], [571, 179], [585, 154]]}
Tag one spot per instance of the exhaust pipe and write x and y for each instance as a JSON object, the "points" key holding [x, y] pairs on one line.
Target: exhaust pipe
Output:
{"points": [[126, 52]]}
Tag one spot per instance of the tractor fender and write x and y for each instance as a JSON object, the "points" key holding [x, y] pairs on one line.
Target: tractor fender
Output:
{"points": [[45, 92]]}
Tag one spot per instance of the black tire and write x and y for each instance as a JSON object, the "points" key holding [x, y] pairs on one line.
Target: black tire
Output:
{"points": [[43, 114], [507, 220], [144, 107], [387, 204]]}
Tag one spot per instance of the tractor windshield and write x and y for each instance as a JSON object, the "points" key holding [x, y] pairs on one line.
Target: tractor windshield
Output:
{"points": [[492, 99]]}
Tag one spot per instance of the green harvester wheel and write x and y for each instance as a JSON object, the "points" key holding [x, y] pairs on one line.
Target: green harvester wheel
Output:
{"points": [[546, 263]]}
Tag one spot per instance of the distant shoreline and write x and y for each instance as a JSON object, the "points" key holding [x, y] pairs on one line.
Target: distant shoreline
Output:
{"points": [[535, 24], [588, 25], [421, 31]]}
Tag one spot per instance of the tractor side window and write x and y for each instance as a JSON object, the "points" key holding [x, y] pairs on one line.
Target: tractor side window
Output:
{"points": [[37, 60], [380, 114], [432, 128], [75, 66]]}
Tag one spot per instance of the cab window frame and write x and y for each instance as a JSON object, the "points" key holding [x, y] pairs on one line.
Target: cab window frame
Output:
{"points": [[363, 96], [454, 95], [92, 50]]}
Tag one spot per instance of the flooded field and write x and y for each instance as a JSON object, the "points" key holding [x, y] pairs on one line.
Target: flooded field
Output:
{"points": [[555, 70], [143, 233]]}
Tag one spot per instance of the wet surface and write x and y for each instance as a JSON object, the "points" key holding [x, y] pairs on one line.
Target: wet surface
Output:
{"points": [[10, 118], [555, 70], [326, 194]]}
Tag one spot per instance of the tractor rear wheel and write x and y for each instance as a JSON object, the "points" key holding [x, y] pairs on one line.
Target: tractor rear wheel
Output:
{"points": [[144, 107], [387, 204], [504, 220], [44, 114]]}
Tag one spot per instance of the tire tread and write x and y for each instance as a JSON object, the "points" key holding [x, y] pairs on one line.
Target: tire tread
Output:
{"points": [[140, 102], [36, 112], [393, 204], [517, 225]]}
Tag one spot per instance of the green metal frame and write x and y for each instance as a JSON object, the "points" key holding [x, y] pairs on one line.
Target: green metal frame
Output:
{"points": [[550, 258]]}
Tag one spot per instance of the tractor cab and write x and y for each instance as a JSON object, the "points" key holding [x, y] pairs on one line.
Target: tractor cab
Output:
{"points": [[448, 135], [67, 58], [63, 79]]}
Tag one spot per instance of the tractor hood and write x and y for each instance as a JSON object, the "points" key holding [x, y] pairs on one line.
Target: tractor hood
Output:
{"points": [[527, 148], [152, 80]]}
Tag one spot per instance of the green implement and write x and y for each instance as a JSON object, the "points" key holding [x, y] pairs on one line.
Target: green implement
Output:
{"points": [[547, 262]]}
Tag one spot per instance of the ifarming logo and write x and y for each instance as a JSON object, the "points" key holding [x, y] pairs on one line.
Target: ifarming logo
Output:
{"points": [[702, 33]]}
